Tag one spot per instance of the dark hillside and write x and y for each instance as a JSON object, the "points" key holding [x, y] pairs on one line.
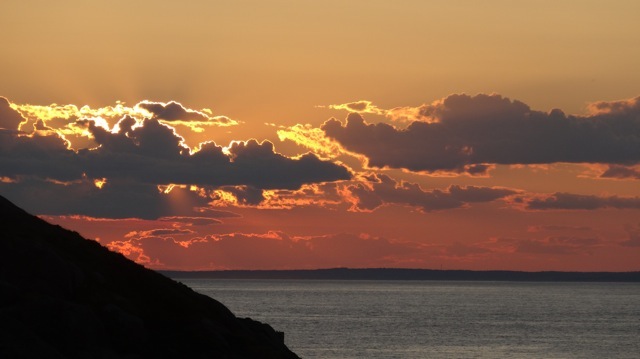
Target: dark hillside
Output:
{"points": [[63, 296]]}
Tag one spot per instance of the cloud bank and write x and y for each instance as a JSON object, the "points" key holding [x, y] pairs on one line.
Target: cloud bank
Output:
{"points": [[461, 132], [380, 189], [621, 172], [143, 154], [570, 201]]}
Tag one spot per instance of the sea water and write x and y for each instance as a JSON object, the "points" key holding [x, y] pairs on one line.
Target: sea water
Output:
{"points": [[434, 319]]}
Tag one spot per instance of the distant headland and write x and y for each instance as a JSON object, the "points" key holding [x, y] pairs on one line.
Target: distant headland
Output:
{"points": [[411, 274]]}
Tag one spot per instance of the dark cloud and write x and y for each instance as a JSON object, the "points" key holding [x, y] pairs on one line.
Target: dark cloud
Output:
{"points": [[569, 201], [245, 195], [478, 194], [137, 156], [327, 195], [615, 107], [555, 227], [381, 189], [151, 140], [159, 232], [9, 118], [192, 221], [216, 213], [465, 134], [621, 172], [154, 153], [114, 200], [43, 155], [366, 199], [174, 111]]}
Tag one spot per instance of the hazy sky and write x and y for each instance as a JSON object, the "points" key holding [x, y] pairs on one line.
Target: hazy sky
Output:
{"points": [[314, 134]]}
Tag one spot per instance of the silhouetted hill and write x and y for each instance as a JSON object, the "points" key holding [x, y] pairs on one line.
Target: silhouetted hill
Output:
{"points": [[62, 296], [411, 274]]}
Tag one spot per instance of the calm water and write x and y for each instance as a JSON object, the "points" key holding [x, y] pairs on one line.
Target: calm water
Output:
{"points": [[422, 319]]}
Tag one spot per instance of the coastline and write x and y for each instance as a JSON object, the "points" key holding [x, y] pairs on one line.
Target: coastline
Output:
{"points": [[410, 274]]}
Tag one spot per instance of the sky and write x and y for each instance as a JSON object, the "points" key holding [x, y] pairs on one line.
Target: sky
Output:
{"points": [[208, 135]]}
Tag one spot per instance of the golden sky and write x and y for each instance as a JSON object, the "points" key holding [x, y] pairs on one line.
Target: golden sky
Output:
{"points": [[307, 134]]}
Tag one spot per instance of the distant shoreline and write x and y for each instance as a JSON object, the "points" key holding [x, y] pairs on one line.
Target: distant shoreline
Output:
{"points": [[410, 274]]}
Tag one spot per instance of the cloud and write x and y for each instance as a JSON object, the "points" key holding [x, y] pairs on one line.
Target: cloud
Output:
{"points": [[196, 221], [555, 227], [378, 189], [172, 111], [245, 195], [41, 154], [159, 232], [147, 153], [464, 131], [614, 107], [621, 172], [69, 120], [327, 195], [311, 138], [216, 213], [569, 201], [61, 117], [10, 119], [362, 106], [366, 192], [474, 194], [175, 113], [401, 114], [316, 140], [116, 199]]}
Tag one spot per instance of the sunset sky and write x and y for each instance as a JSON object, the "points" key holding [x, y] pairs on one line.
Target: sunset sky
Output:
{"points": [[208, 135]]}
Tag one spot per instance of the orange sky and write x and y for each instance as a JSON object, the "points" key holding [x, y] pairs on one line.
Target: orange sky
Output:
{"points": [[282, 135]]}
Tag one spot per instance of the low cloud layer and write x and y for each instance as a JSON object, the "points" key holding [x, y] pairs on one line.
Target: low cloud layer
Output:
{"points": [[265, 250], [570, 201], [462, 132], [170, 249], [379, 189], [116, 199], [621, 172]]}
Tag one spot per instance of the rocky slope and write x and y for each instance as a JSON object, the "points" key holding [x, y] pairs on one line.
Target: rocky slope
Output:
{"points": [[63, 296]]}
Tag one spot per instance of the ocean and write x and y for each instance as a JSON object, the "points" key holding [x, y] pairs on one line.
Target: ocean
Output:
{"points": [[333, 319]]}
